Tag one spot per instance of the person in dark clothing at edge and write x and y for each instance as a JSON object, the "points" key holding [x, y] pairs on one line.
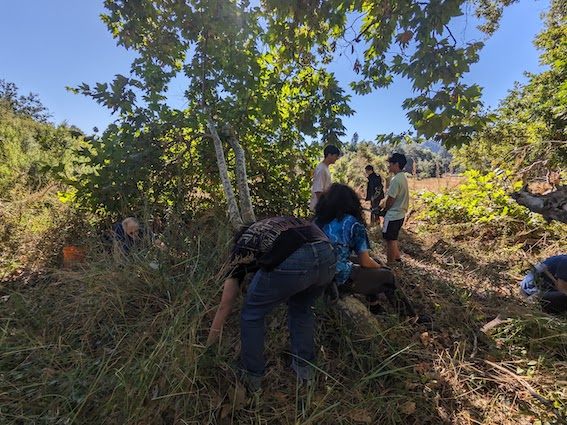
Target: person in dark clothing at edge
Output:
{"points": [[374, 192], [547, 281], [339, 214], [292, 261]]}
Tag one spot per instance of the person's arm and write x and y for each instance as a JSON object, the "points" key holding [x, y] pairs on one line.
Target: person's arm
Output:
{"points": [[393, 192], [229, 295], [320, 182], [361, 248], [366, 261], [379, 188], [561, 286], [388, 204], [159, 244]]}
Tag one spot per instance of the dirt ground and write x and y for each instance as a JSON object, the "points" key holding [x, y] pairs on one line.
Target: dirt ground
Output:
{"points": [[464, 282]]}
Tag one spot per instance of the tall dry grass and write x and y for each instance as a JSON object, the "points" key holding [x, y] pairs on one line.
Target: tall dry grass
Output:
{"points": [[122, 343], [435, 184]]}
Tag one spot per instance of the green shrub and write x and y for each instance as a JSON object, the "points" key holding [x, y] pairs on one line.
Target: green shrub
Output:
{"points": [[481, 199]]}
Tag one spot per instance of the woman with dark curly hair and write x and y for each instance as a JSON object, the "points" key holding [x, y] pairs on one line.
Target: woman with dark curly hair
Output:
{"points": [[339, 214]]}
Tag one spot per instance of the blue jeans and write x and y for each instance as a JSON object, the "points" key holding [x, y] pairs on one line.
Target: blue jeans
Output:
{"points": [[299, 280]]}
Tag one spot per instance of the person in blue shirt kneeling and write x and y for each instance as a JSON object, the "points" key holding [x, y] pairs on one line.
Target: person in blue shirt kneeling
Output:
{"points": [[339, 214]]}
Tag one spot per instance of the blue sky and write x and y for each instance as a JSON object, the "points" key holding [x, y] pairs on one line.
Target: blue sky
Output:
{"points": [[48, 45]]}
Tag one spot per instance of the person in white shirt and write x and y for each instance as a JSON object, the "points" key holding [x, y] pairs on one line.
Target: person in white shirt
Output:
{"points": [[322, 176], [396, 206]]}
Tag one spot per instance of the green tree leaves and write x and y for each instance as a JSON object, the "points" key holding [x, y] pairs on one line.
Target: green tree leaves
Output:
{"points": [[262, 74], [411, 39], [530, 125], [33, 152]]}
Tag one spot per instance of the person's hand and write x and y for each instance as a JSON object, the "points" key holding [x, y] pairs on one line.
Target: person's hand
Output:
{"points": [[561, 285], [160, 245], [213, 337]]}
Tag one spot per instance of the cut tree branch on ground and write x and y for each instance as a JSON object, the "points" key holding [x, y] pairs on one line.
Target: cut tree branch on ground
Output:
{"points": [[548, 403], [552, 206]]}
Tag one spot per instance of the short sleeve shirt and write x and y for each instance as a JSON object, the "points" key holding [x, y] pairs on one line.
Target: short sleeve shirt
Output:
{"points": [[321, 182], [348, 236], [399, 190], [266, 243]]}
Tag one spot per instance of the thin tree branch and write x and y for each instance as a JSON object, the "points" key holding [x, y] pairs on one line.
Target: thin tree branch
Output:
{"points": [[451, 34]]}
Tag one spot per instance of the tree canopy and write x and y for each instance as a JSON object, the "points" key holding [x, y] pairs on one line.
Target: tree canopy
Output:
{"points": [[528, 133], [257, 81]]}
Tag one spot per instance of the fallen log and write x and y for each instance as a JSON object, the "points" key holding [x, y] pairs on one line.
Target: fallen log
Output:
{"points": [[366, 323], [552, 205]]}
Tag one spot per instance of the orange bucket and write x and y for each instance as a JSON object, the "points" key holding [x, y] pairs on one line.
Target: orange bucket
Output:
{"points": [[72, 255]]}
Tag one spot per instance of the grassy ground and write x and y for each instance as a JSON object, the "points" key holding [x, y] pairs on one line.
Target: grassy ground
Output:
{"points": [[106, 342], [435, 184]]}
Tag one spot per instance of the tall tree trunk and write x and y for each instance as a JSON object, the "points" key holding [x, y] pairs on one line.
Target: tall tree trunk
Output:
{"points": [[233, 213], [246, 208]]}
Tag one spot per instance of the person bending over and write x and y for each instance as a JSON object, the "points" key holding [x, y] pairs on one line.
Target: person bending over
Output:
{"points": [[548, 282], [293, 262], [125, 234], [128, 234], [339, 214]]}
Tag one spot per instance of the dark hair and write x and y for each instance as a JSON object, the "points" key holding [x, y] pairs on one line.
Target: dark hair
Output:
{"points": [[331, 150], [369, 168], [398, 158], [336, 202]]}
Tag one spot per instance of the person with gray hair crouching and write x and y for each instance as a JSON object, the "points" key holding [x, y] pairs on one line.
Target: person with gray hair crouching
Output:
{"points": [[125, 234]]}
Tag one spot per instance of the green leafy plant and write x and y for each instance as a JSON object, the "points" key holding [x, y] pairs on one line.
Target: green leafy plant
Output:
{"points": [[483, 198]]}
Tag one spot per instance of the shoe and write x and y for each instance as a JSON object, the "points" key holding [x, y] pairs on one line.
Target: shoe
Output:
{"points": [[304, 373], [376, 309], [252, 383]]}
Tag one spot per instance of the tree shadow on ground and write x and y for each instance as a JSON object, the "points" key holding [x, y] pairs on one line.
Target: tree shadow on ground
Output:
{"points": [[485, 280], [462, 292]]}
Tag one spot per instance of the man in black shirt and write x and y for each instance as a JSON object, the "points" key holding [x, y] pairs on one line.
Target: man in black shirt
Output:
{"points": [[374, 192], [293, 262]]}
